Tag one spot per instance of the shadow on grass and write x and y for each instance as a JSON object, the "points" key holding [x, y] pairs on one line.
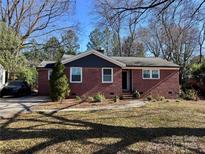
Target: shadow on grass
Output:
{"points": [[63, 108], [128, 135]]}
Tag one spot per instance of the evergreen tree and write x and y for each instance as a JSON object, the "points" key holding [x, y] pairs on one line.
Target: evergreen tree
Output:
{"points": [[96, 39], [107, 41], [9, 47], [53, 50], [70, 42], [34, 54], [115, 46], [59, 87]]}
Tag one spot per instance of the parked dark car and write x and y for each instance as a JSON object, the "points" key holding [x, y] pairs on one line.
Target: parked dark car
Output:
{"points": [[16, 88]]}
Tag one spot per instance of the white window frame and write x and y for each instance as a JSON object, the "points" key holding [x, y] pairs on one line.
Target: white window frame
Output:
{"points": [[49, 73], [81, 77], [150, 70], [111, 75]]}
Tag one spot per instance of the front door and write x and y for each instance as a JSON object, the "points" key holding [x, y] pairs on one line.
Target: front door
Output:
{"points": [[125, 80]]}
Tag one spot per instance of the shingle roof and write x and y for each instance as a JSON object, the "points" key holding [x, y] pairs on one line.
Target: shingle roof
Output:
{"points": [[145, 62], [67, 56], [50, 64], [128, 61], [47, 64]]}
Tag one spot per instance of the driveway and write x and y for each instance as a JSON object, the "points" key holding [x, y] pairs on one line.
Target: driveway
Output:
{"points": [[11, 106]]}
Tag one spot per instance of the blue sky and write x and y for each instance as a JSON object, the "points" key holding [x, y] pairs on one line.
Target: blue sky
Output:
{"points": [[87, 19], [84, 16]]}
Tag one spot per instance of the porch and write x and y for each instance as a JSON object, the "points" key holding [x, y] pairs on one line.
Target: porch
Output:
{"points": [[127, 87], [127, 81]]}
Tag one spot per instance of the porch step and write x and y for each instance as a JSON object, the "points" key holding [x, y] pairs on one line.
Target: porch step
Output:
{"points": [[127, 96]]}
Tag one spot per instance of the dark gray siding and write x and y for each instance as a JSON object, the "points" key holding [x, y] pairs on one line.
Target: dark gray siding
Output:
{"points": [[90, 61], [50, 65]]}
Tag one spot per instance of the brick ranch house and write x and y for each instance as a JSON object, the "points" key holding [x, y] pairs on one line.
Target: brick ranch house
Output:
{"points": [[91, 72]]}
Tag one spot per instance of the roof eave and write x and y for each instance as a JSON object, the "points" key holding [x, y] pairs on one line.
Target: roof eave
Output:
{"points": [[153, 66], [146, 67]]}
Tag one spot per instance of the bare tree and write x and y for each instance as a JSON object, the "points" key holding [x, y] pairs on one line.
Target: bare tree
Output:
{"points": [[132, 36], [201, 41], [28, 17], [173, 35], [118, 22], [151, 39], [133, 6], [132, 48]]}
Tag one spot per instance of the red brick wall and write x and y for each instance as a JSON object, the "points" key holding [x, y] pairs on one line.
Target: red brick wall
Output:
{"points": [[91, 83], [167, 85]]}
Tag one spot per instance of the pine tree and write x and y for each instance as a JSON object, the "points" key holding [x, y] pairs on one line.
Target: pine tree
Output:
{"points": [[96, 39], [53, 50], [34, 55], [70, 42], [59, 87], [107, 41]]}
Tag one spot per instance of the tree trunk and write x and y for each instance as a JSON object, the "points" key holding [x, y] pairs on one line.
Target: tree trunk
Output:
{"points": [[200, 54]]}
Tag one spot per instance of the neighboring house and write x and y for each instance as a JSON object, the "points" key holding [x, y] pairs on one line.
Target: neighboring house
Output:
{"points": [[91, 72], [2, 76]]}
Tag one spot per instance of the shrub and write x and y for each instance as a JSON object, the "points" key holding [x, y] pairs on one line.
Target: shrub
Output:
{"points": [[160, 98], [116, 99], [197, 78], [189, 94], [155, 98], [59, 87], [78, 98], [83, 98], [29, 75], [121, 97], [136, 94], [177, 100], [90, 99], [167, 101], [150, 98], [99, 97]]}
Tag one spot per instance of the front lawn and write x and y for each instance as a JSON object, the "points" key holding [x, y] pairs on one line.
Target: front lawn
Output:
{"points": [[166, 127]]}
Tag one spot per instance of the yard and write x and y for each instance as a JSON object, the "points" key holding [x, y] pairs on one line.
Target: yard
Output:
{"points": [[166, 127]]}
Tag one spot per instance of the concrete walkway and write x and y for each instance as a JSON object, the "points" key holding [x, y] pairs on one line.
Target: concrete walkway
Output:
{"points": [[130, 104], [11, 106]]}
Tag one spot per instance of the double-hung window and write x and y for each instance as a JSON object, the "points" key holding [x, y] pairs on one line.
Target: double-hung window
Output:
{"points": [[151, 74], [76, 75], [155, 74], [146, 74], [107, 75]]}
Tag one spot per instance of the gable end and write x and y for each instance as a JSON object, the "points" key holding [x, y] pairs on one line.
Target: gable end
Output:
{"points": [[97, 54], [90, 61]]}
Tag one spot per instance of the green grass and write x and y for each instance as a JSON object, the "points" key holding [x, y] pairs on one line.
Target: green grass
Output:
{"points": [[166, 127]]}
